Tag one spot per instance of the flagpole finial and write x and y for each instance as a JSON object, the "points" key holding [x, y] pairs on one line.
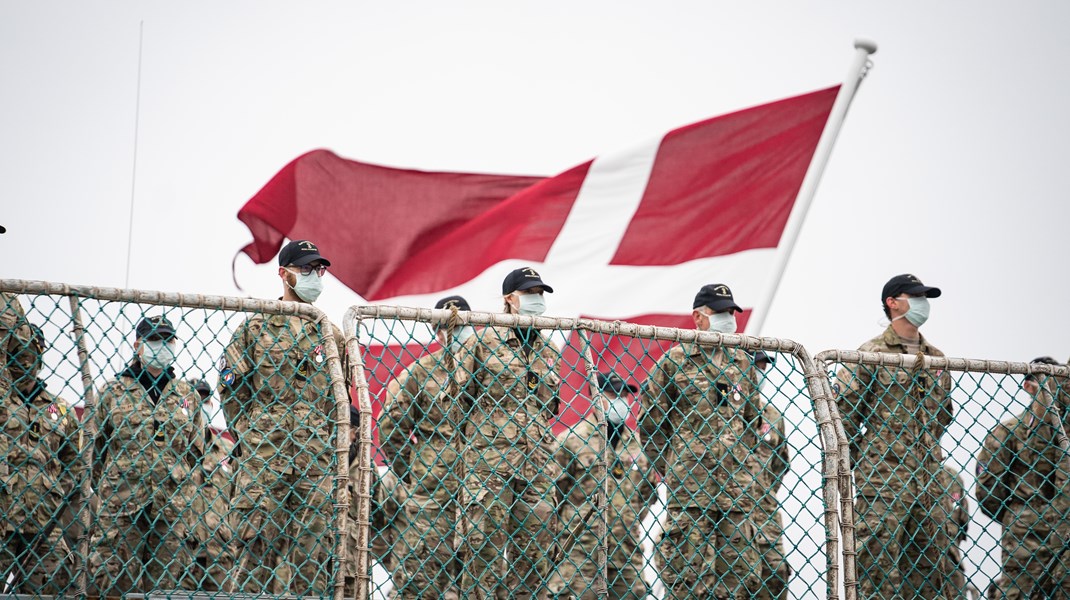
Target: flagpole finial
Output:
{"points": [[868, 45]]}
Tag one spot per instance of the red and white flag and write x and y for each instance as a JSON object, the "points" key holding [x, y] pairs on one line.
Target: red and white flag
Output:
{"points": [[631, 235]]}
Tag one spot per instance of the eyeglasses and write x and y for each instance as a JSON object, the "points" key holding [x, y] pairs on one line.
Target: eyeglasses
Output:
{"points": [[320, 270]]}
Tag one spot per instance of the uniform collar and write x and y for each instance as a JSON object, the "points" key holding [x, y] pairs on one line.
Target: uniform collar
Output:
{"points": [[892, 339], [153, 385]]}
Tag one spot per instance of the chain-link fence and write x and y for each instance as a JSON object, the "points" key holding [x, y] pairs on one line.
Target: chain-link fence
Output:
{"points": [[541, 457], [960, 475], [166, 445]]}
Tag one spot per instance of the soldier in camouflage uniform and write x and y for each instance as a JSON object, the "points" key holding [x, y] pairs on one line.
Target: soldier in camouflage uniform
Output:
{"points": [[1022, 484], [276, 393], [40, 474], [509, 380], [632, 485], [770, 461], [418, 434], [894, 419], [696, 407], [212, 527], [150, 441]]}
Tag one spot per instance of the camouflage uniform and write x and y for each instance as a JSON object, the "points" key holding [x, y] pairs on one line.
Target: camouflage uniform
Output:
{"points": [[418, 433], [632, 489], [770, 461], [11, 315], [956, 522], [277, 398], [39, 476], [894, 419], [210, 541], [510, 392], [151, 440], [1022, 483], [696, 405]]}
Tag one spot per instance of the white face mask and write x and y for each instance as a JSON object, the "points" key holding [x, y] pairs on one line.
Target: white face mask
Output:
{"points": [[618, 411], [460, 336], [309, 287], [722, 322], [157, 354], [918, 313], [532, 305]]}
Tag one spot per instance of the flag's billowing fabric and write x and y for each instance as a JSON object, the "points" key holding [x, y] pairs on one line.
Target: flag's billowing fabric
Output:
{"points": [[630, 236], [714, 188]]}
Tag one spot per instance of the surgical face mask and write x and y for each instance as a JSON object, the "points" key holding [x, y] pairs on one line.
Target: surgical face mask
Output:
{"points": [[309, 287], [532, 305], [618, 411], [722, 322], [461, 336], [918, 313], [157, 354]]}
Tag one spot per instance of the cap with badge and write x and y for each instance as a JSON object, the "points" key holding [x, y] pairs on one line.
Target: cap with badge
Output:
{"points": [[910, 285], [451, 302], [300, 253], [158, 327], [611, 382], [523, 279], [717, 297]]}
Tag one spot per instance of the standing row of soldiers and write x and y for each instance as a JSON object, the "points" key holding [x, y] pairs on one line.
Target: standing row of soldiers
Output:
{"points": [[489, 503]]}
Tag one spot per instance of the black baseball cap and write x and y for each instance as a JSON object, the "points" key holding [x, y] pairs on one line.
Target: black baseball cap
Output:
{"points": [[1041, 360], [300, 253], [157, 326], [908, 284], [354, 416], [201, 387], [523, 279], [761, 355], [611, 382], [457, 302], [717, 296]]}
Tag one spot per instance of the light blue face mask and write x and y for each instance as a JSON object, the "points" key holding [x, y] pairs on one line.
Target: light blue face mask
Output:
{"points": [[918, 313], [309, 287], [532, 305], [157, 354], [618, 411], [460, 336], [722, 322]]}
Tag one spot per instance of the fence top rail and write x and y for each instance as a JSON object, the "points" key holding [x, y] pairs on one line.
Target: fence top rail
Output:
{"points": [[909, 361], [623, 328], [279, 307]]}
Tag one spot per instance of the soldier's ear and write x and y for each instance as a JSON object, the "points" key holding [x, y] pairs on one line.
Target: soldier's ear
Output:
{"points": [[697, 317]]}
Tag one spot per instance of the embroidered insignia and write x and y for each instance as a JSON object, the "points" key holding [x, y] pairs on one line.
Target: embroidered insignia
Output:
{"points": [[618, 471]]}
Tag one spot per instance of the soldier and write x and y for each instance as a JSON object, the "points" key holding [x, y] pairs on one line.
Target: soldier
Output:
{"points": [[418, 434], [894, 419], [151, 439], [212, 527], [509, 379], [632, 486], [770, 460], [277, 398], [696, 407], [40, 474], [1022, 484]]}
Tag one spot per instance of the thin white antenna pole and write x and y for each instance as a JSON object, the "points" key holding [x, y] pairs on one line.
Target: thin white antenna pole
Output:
{"points": [[133, 175], [859, 67]]}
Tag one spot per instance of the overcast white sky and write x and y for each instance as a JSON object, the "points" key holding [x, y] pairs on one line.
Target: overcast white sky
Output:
{"points": [[950, 164]]}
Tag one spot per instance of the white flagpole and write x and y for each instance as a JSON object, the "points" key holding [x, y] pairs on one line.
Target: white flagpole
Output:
{"points": [[859, 66]]}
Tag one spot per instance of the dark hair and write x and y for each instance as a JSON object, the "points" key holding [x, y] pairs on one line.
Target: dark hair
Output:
{"points": [[884, 305]]}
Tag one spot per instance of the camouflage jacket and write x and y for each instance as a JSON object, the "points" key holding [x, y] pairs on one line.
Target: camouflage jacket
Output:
{"points": [[41, 468], [770, 461], [1021, 474], [149, 442], [894, 419], [958, 520], [418, 425], [696, 406], [275, 385], [214, 478], [632, 489], [509, 396]]}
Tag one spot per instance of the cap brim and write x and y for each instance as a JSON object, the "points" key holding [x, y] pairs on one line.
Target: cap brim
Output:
{"points": [[923, 290], [719, 305], [527, 285], [310, 258], [163, 332]]}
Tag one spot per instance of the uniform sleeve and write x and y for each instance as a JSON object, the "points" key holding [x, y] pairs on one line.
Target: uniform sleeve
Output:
{"points": [[946, 407], [852, 388], [104, 427], [962, 510], [565, 456], [397, 422], [781, 459], [68, 452], [657, 396], [994, 471], [234, 390]]}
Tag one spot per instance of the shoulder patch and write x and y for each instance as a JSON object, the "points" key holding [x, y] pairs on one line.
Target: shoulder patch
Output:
{"points": [[981, 468]]}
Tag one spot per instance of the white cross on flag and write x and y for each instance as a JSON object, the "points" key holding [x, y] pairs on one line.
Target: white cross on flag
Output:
{"points": [[631, 235]]}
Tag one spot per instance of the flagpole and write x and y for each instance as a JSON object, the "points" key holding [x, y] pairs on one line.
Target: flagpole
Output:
{"points": [[859, 67]]}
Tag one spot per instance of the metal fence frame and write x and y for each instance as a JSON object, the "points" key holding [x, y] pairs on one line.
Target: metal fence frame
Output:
{"points": [[195, 301], [907, 361], [832, 437]]}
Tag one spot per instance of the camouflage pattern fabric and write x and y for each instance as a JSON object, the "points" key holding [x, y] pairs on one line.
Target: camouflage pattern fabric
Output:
{"points": [[770, 461], [212, 526], [696, 406], [894, 419]]}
